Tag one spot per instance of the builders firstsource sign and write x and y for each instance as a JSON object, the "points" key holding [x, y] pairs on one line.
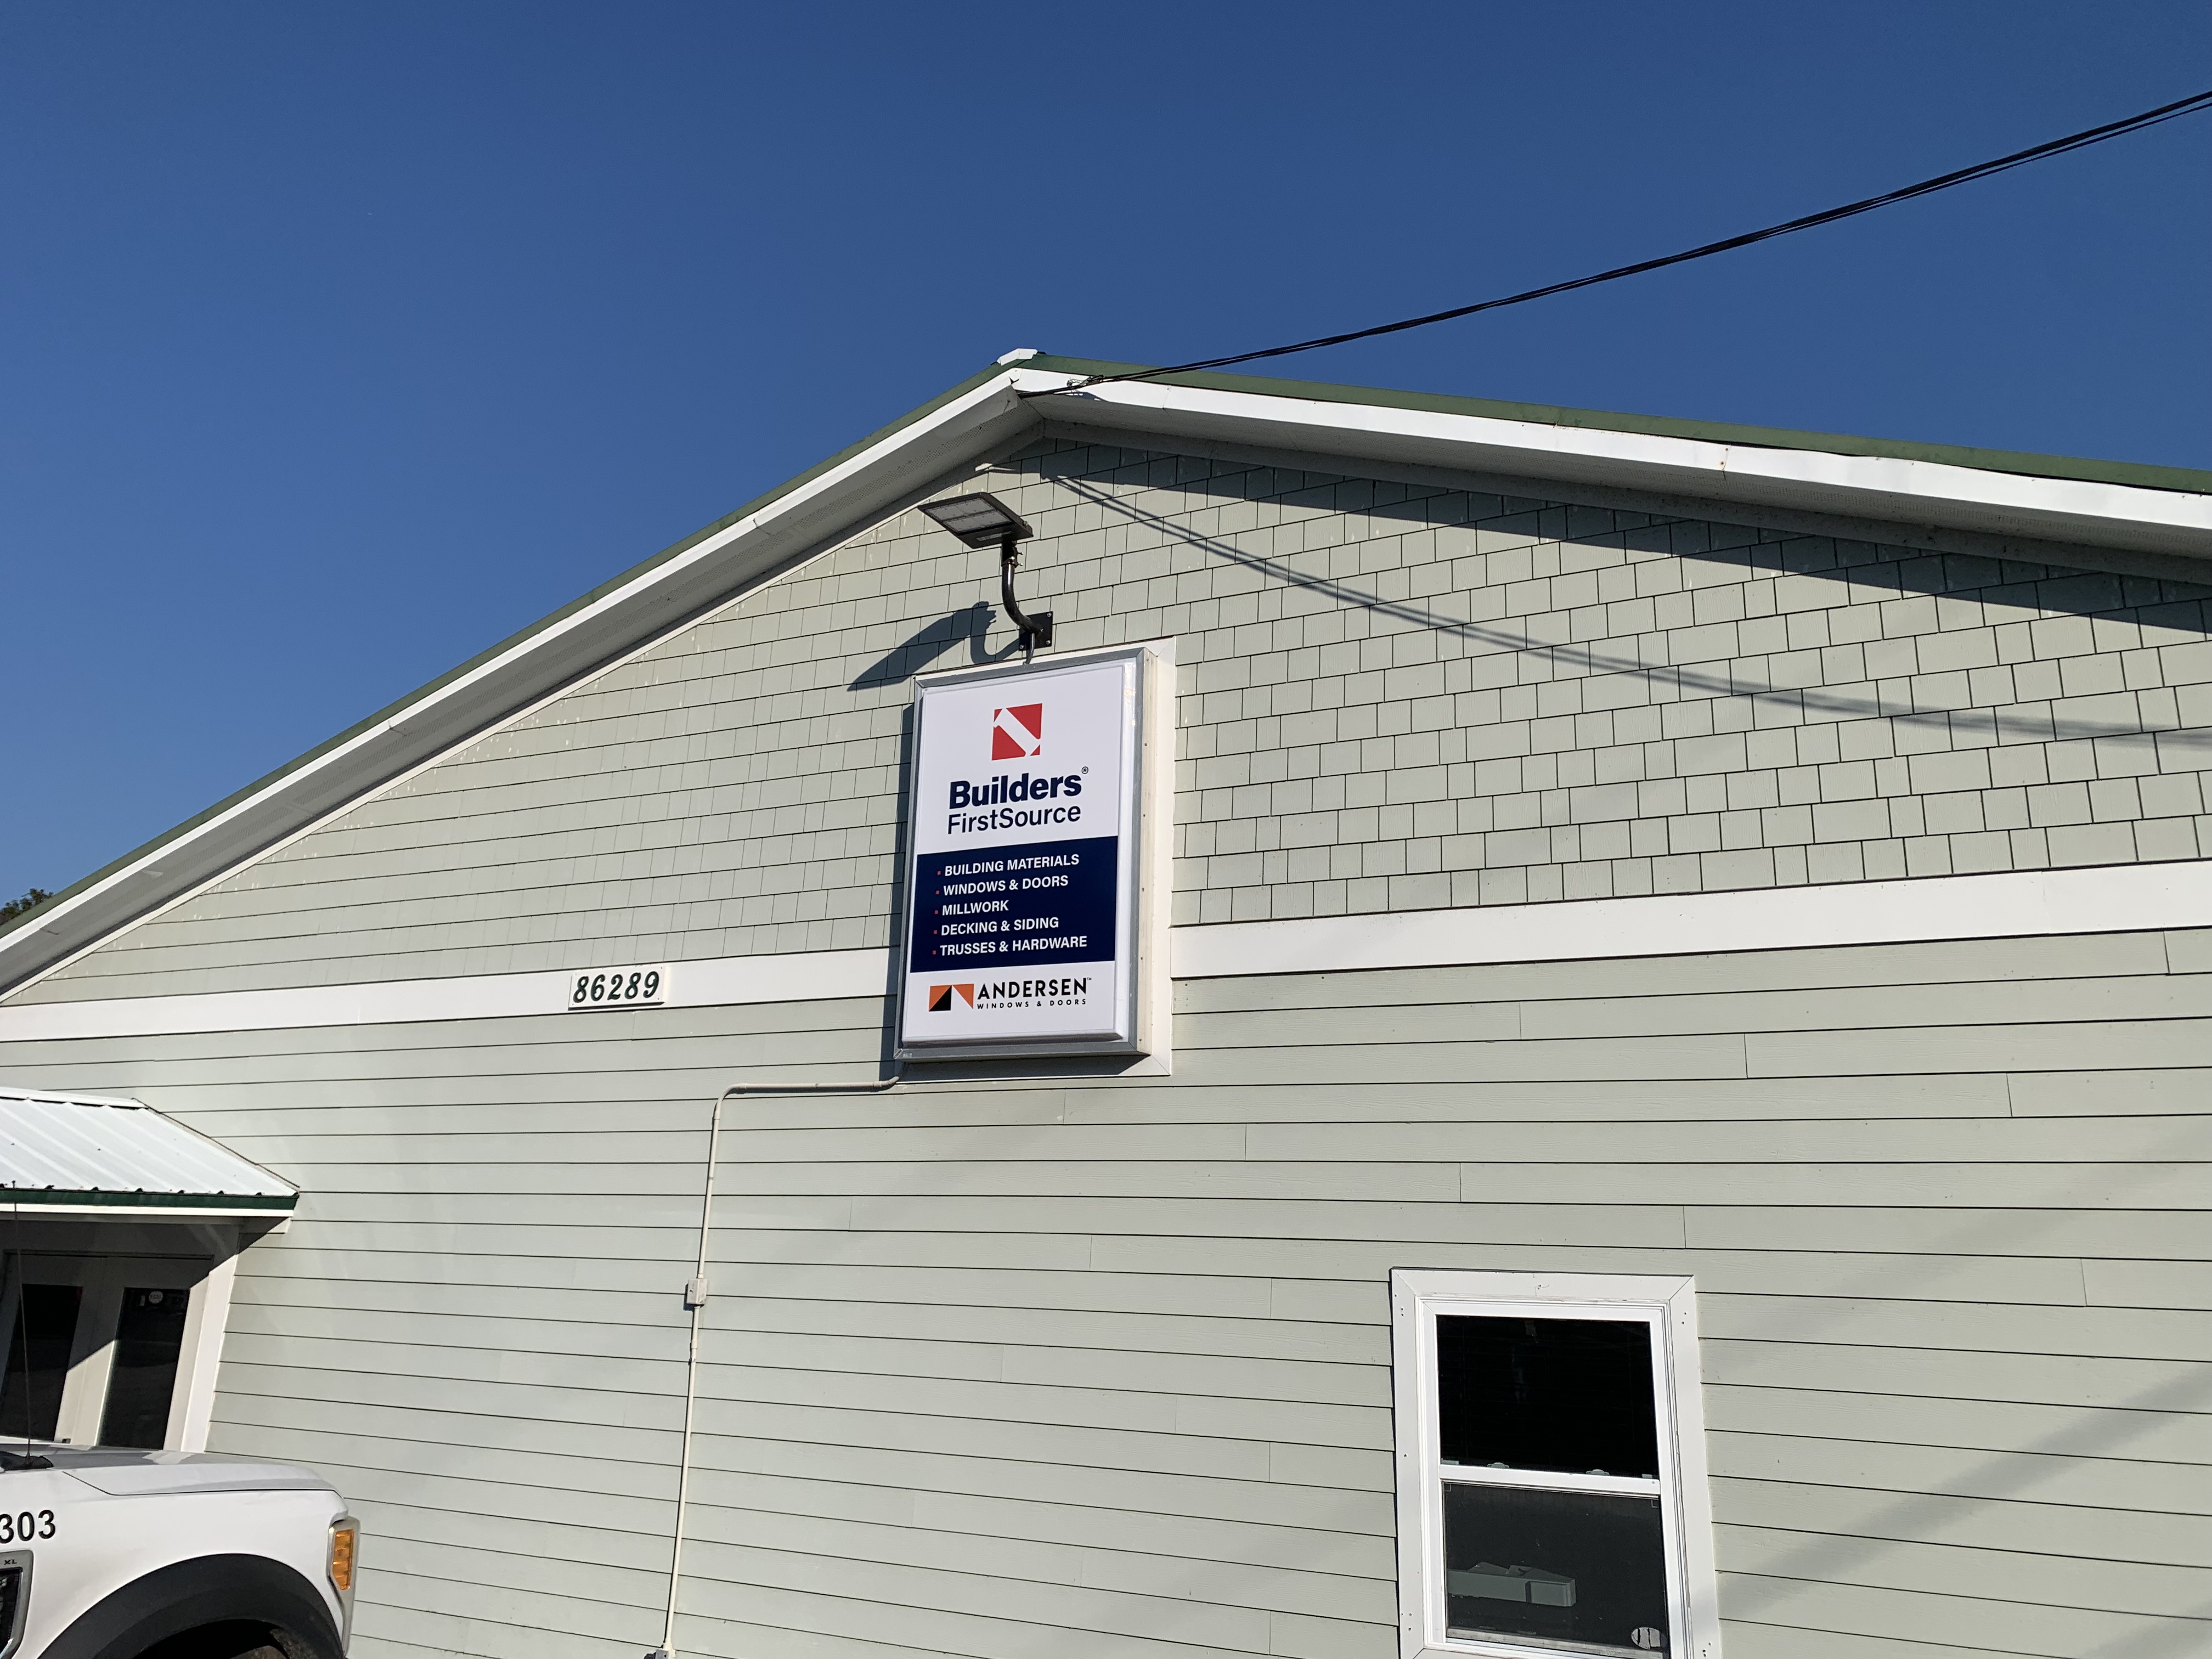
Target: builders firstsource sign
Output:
{"points": [[1024, 891]]}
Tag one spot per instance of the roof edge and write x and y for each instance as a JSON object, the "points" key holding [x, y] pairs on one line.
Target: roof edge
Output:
{"points": [[631, 589], [39, 1198], [393, 710], [2135, 475]]}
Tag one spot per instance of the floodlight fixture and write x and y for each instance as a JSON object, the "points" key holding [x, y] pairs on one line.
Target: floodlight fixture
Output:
{"points": [[983, 520], [980, 521]]}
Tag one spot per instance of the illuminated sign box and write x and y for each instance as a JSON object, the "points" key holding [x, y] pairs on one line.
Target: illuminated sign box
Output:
{"points": [[1037, 858]]}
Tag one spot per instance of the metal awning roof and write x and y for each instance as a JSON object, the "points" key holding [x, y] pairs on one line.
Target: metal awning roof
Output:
{"points": [[90, 1154]]}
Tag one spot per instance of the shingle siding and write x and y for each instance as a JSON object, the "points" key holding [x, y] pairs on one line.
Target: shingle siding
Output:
{"points": [[1392, 697]]}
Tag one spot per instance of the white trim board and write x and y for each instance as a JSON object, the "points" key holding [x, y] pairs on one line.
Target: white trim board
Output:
{"points": [[1877, 486], [2107, 899], [715, 982], [207, 1319]]}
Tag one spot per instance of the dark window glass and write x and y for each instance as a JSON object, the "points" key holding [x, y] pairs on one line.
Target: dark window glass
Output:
{"points": [[1585, 1570], [148, 1339], [38, 1361], [1559, 1394]]}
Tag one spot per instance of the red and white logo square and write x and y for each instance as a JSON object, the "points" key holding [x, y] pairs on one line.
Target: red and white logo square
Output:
{"points": [[1017, 733]]}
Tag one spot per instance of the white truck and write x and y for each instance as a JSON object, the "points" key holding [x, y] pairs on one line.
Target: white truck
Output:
{"points": [[106, 1554]]}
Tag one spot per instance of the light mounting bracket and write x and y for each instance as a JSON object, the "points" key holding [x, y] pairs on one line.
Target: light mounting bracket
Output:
{"points": [[983, 520]]}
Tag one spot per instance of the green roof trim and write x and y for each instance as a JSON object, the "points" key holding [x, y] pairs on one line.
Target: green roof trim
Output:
{"points": [[2187, 480], [32, 1198]]}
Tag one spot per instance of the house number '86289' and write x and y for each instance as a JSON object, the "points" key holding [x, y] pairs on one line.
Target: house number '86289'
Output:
{"points": [[618, 988]]}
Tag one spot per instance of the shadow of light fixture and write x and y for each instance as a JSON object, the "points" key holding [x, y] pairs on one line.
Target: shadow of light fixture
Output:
{"points": [[984, 520]]}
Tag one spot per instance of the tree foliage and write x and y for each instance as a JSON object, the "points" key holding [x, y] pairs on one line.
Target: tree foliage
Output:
{"points": [[30, 901]]}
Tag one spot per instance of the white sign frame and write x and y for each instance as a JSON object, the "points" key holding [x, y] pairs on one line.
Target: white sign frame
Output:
{"points": [[1137, 1019]]}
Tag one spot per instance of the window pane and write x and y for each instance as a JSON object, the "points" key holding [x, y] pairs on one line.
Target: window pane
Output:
{"points": [[38, 1361], [1571, 1395], [148, 1339], [1584, 1571]]}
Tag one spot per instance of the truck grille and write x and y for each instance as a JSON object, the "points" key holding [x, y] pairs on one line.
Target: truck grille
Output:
{"points": [[15, 1581]]}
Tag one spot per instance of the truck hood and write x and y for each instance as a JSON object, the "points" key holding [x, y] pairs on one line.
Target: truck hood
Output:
{"points": [[124, 1473]]}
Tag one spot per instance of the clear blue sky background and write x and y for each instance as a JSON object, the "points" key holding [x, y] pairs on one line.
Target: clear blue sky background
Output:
{"points": [[342, 340]]}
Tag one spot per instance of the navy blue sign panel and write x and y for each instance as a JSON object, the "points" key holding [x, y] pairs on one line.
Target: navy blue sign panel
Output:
{"points": [[1014, 907]]}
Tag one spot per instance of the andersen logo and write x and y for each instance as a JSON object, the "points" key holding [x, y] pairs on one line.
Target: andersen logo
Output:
{"points": [[1024, 990], [1017, 733], [1001, 993]]}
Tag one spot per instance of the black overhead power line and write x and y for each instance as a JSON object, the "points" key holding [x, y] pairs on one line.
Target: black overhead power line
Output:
{"points": [[2149, 117]]}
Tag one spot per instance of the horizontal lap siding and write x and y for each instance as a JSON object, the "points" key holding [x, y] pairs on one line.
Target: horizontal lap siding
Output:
{"points": [[1956, 1436], [1102, 1366]]}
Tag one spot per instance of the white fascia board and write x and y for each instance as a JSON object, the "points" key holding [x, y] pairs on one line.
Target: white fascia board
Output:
{"points": [[802, 521], [1908, 493]]}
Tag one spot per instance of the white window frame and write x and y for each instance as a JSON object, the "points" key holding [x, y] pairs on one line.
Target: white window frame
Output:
{"points": [[1668, 1305]]}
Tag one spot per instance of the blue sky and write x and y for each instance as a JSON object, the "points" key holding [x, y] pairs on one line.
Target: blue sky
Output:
{"points": [[340, 341]]}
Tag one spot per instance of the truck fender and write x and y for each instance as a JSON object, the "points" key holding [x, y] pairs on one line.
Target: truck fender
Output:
{"points": [[210, 1590]]}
